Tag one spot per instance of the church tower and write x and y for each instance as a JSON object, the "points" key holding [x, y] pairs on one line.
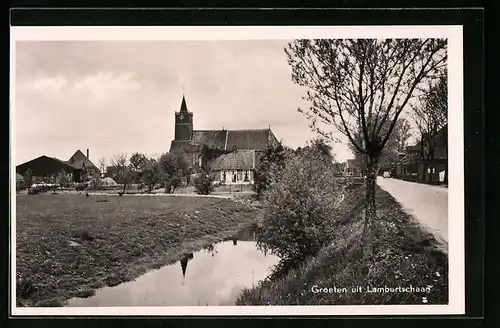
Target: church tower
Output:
{"points": [[183, 123]]}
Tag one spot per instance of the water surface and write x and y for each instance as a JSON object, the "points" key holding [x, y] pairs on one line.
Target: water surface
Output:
{"points": [[214, 275]]}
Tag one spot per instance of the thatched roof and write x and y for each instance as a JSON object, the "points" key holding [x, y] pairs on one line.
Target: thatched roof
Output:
{"points": [[79, 160], [237, 160]]}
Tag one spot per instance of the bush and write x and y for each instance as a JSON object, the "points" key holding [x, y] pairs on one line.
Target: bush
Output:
{"points": [[204, 184], [172, 184], [268, 168], [95, 183], [20, 185], [80, 186], [300, 208]]}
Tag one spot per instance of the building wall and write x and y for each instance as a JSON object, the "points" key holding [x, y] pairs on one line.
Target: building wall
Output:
{"points": [[183, 126], [235, 176]]}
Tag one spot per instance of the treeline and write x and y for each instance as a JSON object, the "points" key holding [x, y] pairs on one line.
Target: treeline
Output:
{"points": [[168, 171]]}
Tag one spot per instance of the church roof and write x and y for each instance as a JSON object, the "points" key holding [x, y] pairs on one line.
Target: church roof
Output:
{"points": [[249, 139], [236, 160], [231, 139], [211, 138]]}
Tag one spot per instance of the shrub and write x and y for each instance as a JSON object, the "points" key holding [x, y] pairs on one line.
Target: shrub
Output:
{"points": [[34, 190], [95, 183], [268, 168], [300, 208], [80, 186], [63, 179], [203, 184], [20, 185], [172, 184]]}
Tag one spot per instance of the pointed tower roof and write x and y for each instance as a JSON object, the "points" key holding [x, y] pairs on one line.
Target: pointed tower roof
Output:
{"points": [[183, 105]]}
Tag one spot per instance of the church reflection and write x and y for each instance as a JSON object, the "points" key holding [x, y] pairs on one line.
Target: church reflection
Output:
{"points": [[244, 235], [184, 262]]}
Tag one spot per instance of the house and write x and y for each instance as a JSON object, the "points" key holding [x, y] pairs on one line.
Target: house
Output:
{"points": [[237, 150], [83, 165], [339, 168], [235, 167], [353, 168], [433, 169], [78, 167]]}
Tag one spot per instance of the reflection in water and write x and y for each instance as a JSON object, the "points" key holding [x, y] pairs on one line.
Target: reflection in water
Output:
{"points": [[184, 262], [210, 249], [212, 280]]}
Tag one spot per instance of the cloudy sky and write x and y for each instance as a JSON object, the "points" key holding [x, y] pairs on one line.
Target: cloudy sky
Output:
{"points": [[120, 96]]}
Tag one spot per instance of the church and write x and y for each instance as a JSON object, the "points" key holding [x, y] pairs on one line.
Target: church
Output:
{"points": [[239, 150]]}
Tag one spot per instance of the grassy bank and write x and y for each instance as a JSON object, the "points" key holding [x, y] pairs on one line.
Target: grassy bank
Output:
{"points": [[70, 245], [402, 256]]}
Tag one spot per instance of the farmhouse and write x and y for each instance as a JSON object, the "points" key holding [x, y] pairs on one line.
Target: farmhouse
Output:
{"points": [[237, 151], [78, 167], [352, 168], [413, 166]]}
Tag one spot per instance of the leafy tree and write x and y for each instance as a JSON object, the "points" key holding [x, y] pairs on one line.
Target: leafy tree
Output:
{"points": [[126, 177], [203, 183], [300, 207], [320, 147], [137, 163], [119, 163], [63, 179], [268, 166], [170, 171], [361, 87], [150, 174], [28, 178]]}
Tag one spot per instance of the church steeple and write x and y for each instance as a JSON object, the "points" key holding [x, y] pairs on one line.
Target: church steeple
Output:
{"points": [[183, 123], [183, 105]]}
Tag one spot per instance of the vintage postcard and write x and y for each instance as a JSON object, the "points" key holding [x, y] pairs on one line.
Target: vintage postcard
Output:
{"points": [[237, 170]]}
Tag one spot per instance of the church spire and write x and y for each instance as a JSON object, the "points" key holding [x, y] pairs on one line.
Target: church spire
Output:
{"points": [[183, 105]]}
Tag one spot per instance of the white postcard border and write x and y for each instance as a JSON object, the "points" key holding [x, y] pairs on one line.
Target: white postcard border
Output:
{"points": [[456, 216]]}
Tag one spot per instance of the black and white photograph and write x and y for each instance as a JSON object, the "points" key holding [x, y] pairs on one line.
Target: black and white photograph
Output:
{"points": [[237, 170]]}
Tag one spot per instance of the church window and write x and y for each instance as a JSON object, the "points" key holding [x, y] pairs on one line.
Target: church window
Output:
{"points": [[246, 176]]}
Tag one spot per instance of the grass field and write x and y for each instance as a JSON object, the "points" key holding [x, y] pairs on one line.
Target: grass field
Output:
{"points": [[70, 245], [402, 255]]}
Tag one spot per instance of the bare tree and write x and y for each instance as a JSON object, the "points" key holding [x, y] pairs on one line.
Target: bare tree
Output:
{"points": [[102, 164], [396, 143], [120, 161], [430, 115], [360, 87]]}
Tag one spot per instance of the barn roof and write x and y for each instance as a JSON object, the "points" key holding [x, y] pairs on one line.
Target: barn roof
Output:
{"points": [[44, 165], [236, 160]]}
